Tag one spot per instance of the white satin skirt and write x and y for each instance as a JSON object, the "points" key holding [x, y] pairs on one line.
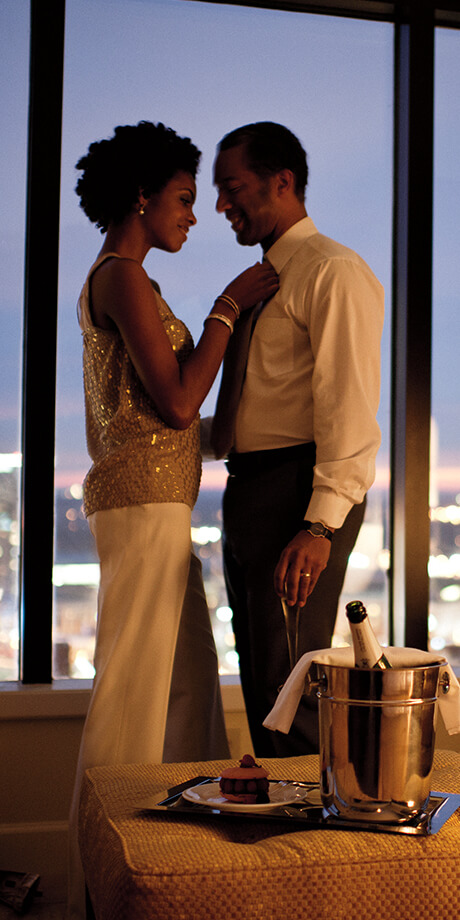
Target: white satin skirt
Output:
{"points": [[156, 693]]}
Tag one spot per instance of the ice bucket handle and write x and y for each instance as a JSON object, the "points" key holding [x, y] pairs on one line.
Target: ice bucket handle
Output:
{"points": [[444, 682], [315, 681]]}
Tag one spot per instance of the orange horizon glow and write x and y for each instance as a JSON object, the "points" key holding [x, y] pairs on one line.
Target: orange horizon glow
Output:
{"points": [[214, 477]]}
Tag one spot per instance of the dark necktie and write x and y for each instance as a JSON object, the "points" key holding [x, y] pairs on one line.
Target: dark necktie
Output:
{"points": [[233, 373]]}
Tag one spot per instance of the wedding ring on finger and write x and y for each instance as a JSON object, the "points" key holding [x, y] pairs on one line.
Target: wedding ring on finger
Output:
{"points": [[305, 574]]}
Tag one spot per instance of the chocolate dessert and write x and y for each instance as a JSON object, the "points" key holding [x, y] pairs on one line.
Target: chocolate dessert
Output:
{"points": [[247, 783]]}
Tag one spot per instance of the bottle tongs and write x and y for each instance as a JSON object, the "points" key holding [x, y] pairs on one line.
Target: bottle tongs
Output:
{"points": [[291, 619]]}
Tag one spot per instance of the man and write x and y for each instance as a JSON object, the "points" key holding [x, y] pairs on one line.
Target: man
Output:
{"points": [[304, 439]]}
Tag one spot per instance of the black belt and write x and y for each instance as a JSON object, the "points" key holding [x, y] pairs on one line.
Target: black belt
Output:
{"points": [[256, 461]]}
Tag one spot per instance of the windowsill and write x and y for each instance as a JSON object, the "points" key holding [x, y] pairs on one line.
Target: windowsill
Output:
{"points": [[68, 699]]}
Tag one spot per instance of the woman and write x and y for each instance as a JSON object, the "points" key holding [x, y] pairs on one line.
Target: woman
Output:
{"points": [[144, 385]]}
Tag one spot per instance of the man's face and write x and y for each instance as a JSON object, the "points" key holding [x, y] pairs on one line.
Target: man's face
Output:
{"points": [[248, 201]]}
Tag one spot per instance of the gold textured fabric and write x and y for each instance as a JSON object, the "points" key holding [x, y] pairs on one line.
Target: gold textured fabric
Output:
{"points": [[136, 457], [144, 866]]}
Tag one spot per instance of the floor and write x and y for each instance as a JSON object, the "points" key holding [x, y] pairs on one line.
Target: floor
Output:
{"points": [[40, 908]]}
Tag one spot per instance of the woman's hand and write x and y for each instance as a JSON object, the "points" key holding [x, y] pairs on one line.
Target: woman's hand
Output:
{"points": [[260, 282], [177, 390]]}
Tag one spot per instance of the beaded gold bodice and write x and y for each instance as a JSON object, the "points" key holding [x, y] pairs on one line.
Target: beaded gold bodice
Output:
{"points": [[136, 457]]}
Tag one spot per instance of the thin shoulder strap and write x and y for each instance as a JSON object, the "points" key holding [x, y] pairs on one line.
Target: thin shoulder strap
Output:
{"points": [[84, 313]]}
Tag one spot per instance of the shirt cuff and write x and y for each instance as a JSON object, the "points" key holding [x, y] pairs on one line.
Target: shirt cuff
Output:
{"points": [[329, 508]]}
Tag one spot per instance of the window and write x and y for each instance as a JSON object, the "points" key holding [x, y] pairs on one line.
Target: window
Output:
{"points": [[349, 198], [444, 565], [14, 31], [334, 87]]}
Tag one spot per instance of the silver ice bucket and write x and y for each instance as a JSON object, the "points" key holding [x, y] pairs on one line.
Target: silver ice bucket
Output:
{"points": [[377, 737]]}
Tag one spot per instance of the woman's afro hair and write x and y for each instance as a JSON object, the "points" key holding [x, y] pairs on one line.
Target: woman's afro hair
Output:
{"points": [[138, 158]]}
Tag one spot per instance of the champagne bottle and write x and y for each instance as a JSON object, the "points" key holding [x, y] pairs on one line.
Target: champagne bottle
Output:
{"points": [[368, 652]]}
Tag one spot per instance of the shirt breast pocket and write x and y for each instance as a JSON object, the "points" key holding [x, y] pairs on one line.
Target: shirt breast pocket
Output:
{"points": [[272, 347]]}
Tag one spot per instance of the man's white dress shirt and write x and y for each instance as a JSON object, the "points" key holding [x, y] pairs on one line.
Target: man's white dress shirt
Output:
{"points": [[313, 370]]}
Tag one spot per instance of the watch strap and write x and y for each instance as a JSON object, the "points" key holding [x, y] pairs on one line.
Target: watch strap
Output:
{"points": [[316, 529]]}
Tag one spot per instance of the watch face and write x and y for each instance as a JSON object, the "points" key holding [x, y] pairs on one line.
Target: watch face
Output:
{"points": [[318, 529]]}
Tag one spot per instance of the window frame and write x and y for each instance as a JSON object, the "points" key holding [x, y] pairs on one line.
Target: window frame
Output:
{"points": [[415, 22], [47, 25]]}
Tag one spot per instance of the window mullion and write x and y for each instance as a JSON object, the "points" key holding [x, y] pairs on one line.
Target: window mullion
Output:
{"points": [[412, 306], [40, 335]]}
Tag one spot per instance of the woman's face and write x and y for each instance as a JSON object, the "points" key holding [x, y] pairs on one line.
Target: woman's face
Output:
{"points": [[168, 214]]}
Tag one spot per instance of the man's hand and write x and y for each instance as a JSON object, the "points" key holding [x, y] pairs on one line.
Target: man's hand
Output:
{"points": [[300, 566]]}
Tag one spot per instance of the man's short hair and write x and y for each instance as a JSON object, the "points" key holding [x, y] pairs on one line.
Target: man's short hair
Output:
{"points": [[270, 148]]}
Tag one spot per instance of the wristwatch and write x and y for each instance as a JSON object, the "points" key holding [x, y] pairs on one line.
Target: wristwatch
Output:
{"points": [[316, 529]]}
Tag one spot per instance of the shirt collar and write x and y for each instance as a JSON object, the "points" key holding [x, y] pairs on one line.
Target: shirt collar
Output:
{"points": [[289, 242]]}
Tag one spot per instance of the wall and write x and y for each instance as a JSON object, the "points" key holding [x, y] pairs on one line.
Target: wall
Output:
{"points": [[40, 730], [39, 738]]}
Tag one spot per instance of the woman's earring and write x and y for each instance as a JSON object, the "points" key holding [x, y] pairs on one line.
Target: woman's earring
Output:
{"points": [[141, 211]]}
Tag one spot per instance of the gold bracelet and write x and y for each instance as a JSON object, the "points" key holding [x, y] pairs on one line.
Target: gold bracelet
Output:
{"points": [[231, 303], [221, 318]]}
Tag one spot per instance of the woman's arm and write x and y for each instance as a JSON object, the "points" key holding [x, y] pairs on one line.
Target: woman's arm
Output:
{"points": [[123, 297]]}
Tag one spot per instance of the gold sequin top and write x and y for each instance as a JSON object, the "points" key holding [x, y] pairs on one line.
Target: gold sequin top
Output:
{"points": [[136, 457]]}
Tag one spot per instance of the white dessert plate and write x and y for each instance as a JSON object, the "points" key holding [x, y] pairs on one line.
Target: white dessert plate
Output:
{"points": [[280, 793]]}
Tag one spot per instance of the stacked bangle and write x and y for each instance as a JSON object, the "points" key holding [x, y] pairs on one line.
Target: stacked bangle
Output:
{"points": [[222, 319], [231, 303]]}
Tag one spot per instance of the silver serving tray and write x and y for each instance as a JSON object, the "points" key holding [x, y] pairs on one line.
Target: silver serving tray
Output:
{"points": [[306, 815]]}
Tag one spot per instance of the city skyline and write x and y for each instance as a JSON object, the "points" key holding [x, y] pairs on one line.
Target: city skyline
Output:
{"points": [[76, 577]]}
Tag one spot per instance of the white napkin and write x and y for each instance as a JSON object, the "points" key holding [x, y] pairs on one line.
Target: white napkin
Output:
{"points": [[281, 716]]}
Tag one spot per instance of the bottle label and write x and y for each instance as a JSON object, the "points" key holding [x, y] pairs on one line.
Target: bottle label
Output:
{"points": [[367, 649]]}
